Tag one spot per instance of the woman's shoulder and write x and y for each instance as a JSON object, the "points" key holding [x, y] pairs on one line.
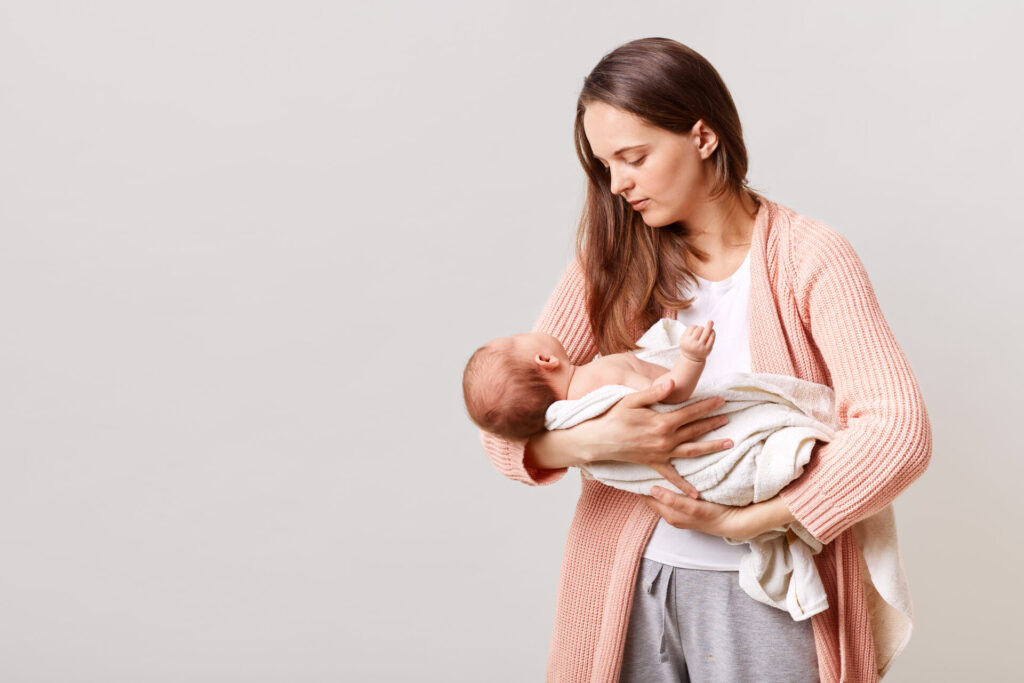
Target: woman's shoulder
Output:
{"points": [[573, 282], [801, 230], [809, 246]]}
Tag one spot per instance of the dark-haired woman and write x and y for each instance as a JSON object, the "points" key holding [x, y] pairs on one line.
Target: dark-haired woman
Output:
{"points": [[648, 589]]}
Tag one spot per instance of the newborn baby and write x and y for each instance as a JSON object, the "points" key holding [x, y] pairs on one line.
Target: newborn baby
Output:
{"points": [[509, 382]]}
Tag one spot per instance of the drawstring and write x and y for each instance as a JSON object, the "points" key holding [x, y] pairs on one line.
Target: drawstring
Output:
{"points": [[665, 593]]}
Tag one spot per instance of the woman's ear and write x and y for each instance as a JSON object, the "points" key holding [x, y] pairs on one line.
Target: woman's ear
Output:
{"points": [[705, 139], [546, 362]]}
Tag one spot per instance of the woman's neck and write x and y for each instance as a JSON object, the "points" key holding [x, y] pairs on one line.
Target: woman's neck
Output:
{"points": [[721, 226]]}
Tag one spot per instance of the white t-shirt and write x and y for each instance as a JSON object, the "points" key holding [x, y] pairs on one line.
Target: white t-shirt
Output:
{"points": [[727, 303]]}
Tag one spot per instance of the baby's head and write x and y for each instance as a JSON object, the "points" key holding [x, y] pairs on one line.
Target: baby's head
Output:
{"points": [[509, 383]]}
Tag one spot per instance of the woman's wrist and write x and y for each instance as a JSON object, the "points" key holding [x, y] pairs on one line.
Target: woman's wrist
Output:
{"points": [[554, 450], [754, 520]]}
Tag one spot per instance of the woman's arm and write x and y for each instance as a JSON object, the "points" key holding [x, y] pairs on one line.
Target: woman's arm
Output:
{"points": [[586, 442], [885, 440], [632, 432], [628, 431], [564, 316], [740, 523]]}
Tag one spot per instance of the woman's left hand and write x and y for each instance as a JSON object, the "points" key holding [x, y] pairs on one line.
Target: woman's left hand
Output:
{"points": [[738, 523]]}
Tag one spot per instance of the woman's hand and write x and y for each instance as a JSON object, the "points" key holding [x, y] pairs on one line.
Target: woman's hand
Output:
{"points": [[739, 523], [632, 432]]}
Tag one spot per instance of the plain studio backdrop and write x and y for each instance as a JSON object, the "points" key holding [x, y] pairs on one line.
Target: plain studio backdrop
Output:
{"points": [[247, 248]]}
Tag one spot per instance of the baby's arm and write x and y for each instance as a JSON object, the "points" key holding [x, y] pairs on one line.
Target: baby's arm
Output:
{"points": [[695, 344], [625, 368]]}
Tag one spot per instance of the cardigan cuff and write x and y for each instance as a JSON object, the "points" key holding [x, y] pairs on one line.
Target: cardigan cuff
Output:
{"points": [[815, 513], [507, 456], [811, 506]]}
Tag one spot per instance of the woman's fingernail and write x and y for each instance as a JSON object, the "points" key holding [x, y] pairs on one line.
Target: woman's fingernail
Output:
{"points": [[727, 444], [656, 491]]}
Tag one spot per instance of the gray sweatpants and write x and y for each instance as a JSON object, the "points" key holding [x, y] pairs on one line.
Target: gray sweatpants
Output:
{"points": [[699, 626]]}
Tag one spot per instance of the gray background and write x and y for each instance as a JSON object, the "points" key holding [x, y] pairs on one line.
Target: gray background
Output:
{"points": [[247, 247]]}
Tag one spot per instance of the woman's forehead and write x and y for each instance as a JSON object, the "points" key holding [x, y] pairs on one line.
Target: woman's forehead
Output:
{"points": [[612, 131]]}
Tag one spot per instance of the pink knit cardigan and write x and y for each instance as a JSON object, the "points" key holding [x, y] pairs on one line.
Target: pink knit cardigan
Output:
{"points": [[813, 315]]}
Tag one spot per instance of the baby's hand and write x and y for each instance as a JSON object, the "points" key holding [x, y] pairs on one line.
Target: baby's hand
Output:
{"points": [[696, 341]]}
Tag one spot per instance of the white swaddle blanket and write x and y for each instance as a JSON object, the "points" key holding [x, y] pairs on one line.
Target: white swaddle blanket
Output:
{"points": [[774, 422]]}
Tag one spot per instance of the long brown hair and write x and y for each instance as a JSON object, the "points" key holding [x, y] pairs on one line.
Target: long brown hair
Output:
{"points": [[633, 271]]}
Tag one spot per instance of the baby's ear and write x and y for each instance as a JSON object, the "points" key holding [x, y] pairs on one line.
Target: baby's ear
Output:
{"points": [[546, 362]]}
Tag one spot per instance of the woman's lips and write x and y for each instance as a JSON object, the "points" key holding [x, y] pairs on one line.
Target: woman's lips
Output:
{"points": [[640, 205]]}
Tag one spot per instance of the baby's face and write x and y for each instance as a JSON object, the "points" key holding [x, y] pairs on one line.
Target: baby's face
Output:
{"points": [[528, 346]]}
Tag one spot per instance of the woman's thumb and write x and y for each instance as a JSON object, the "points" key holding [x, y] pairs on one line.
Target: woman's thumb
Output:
{"points": [[652, 394]]}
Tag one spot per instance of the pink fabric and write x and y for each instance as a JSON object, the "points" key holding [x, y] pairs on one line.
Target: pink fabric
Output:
{"points": [[813, 315]]}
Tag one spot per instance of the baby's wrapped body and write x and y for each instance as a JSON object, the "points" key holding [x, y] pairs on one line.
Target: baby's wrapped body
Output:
{"points": [[774, 423]]}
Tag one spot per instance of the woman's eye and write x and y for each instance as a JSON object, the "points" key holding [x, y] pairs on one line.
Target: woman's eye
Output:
{"points": [[638, 161]]}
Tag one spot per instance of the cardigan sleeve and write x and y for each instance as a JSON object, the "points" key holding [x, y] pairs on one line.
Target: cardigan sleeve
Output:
{"points": [[565, 317], [884, 441]]}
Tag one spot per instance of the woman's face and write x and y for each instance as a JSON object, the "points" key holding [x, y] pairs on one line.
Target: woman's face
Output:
{"points": [[661, 173]]}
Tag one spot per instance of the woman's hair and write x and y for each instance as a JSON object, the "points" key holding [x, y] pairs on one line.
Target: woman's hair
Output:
{"points": [[633, 271], [504, 394]]}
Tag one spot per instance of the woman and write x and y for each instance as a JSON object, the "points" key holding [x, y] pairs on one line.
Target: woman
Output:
{"points": [[670, 228]]}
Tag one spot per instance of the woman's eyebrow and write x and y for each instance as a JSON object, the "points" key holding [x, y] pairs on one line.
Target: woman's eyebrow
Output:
{"points": [[621, 150]]}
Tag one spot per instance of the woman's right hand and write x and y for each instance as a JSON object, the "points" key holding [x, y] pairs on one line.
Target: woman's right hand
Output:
{"points": [[632, 432]]}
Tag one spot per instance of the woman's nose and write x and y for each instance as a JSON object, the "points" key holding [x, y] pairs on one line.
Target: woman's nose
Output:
{"points": [[619, 182]]}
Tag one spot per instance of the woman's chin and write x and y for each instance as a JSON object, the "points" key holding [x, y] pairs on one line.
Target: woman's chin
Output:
{"points": [[652, 219]]}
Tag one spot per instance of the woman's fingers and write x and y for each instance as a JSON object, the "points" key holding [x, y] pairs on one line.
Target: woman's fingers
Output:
{"points": [[692, 420], [679, 511], [683, 512], [666, 470], [680, 429], [659, 501], [655, 437], [695, 449], [697, 428], [697, 410]]}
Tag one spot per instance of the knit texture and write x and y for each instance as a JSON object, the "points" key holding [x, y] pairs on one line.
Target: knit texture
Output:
{"points": [[813, 315]]}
